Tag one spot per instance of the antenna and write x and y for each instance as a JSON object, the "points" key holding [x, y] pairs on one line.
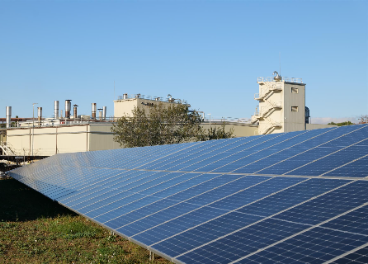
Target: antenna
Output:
{"points": [[114, 90], [280, 61]]}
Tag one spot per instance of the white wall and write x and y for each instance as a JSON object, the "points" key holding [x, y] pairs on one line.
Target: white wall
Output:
{"points": [[48, 141]]}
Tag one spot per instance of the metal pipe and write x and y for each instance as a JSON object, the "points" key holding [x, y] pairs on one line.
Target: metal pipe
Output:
{"points": [[104, 109], [39, 115], [68, 106], [94, 107], [100, 114], [8, 116], [56, 109], [75, 113]]}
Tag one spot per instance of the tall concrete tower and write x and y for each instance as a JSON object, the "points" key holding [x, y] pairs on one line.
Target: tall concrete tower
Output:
{"points": [[281, 105]]}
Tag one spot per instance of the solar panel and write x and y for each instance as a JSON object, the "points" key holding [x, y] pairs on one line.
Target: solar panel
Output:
{"points": [[295, 197]]}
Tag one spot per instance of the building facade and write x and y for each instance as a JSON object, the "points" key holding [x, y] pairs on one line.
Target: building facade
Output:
{"points": [[281, 105]]}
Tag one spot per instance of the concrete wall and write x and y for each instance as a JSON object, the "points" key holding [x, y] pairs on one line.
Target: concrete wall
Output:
{"points": [[317, 126], [294, 121], [95, 136], [125, 106], [240, 130], [101, 137], [48, 141], [19, 140]]}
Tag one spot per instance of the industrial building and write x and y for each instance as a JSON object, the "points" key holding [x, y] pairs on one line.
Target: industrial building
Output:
{"points": [[281, 105], [281, 109]]}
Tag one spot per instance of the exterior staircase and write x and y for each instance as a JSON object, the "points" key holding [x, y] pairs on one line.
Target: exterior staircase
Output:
{"points": [[269, 106]]}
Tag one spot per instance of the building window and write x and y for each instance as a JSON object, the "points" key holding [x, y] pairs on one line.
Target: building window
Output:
{"points": [[294, 109], [294, 90]]}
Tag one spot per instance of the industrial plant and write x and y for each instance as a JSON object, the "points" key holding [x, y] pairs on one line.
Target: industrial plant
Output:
{"points": [[281, 109]]}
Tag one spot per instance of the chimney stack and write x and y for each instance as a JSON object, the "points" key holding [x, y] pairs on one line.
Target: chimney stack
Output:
{"points": [[39, 114], [56, 109], [75, 113], [8, 116], [68, 106], [94, 108]]}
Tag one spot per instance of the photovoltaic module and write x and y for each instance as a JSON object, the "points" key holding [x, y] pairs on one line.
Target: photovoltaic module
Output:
{"points": [[297, 197]]}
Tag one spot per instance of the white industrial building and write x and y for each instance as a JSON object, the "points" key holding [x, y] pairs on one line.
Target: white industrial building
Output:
{"points": [[281, 105], [281, 109]]}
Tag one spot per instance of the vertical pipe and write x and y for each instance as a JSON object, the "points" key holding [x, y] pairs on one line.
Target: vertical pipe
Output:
{"points": [[94, 108], [8, 116], [39, 114], [56, 109], [67, 108], [104, 108], [75, 113]]}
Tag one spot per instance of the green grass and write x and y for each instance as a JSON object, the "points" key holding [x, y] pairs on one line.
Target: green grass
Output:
{"points": [[34, 229]]}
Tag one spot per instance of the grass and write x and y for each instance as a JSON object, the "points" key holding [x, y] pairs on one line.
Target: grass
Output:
{"points": [[34, 229]]}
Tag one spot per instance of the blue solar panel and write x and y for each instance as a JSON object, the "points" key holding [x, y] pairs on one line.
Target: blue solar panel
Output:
{"points": [[356, 168], [353, 222], [247, 240], [359, 256], [329, 205], [296, 197], [314, 246]]}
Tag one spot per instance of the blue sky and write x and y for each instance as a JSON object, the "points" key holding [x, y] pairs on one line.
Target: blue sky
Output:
{"points": [[209, 53]]}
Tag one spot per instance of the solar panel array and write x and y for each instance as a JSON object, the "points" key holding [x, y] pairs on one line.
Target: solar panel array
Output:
{"points": [[298, 197]]}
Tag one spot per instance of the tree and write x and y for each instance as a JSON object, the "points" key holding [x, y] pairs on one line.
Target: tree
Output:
{"points": [[346, 123], [363, 119], [216, 133], [163, 125]]}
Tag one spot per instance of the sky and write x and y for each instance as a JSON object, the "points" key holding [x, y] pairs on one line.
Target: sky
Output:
{"points": [[208, 53]]}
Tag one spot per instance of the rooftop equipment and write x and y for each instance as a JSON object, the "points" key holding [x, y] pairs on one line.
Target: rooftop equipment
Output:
{"points": [[104, 108], [307, 115], [68, 106], [125, 96], [8, 116], [100, 113], [94, 107], [75, 112], [56, 109], [39, 115], [278, 77]]}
